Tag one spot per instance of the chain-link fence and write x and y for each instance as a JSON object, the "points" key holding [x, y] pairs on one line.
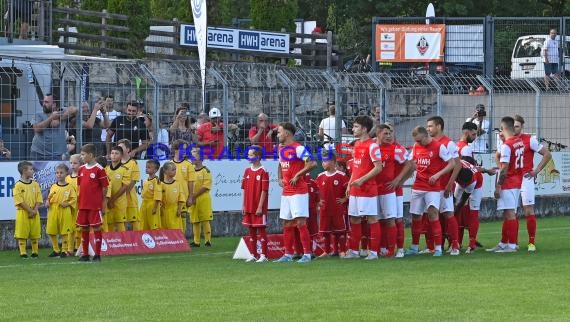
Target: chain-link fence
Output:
{"points": [[26, 20], [252, 99]]}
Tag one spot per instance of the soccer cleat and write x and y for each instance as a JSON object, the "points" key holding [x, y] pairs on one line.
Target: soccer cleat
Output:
{"points": [[506, 250], [371, 256], [97, 258], [305, 259], [351, 255], [284, 259], [383, 252], [324, 255], [363, 252], [412, 251], [262, 259], [437, 253], [62, 255], [495, 249], [454, 252], [208, 244], [531, 248], [469, 250], [54, 254], [34, 256], [425, 251], [24, 256], [400, 253], [250, 259], [84, 258], [193, 244]]}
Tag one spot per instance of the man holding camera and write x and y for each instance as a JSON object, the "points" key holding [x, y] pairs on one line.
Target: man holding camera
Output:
{"points": [[481, 143], [49, 130]]}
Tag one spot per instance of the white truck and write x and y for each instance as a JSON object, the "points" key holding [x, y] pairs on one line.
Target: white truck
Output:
{"points": [[527, 61]]}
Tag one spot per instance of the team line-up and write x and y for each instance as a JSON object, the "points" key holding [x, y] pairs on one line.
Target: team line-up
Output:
{"points": [[357, 206]]}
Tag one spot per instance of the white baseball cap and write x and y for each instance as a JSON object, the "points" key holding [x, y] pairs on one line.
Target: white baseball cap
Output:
{"points": [[214, 112]]}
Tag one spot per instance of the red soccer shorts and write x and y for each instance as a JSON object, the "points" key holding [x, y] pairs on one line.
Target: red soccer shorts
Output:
{"points": [[89, 217]]}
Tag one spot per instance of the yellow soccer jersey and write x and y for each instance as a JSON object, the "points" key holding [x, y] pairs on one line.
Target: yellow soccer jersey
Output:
{"points": [[60, 193], [172, 193], [152, 189], [60, 218], [185, 173], [118, 177], [72, 180], [201, 210], [30, 193], [135, 175], [203, 179]]}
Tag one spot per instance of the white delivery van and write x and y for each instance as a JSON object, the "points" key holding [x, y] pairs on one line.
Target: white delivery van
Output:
{"points": [[527, 61]]}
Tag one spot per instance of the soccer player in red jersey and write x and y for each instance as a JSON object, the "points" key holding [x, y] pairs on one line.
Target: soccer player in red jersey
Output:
{"points": [[362, 189], [435, 127], [294, 162], [469, 187], [468, 135], [387, 181], [531, 146], [332, 185], [92, 182], [507, 188], [432, 161], [255, 185]]}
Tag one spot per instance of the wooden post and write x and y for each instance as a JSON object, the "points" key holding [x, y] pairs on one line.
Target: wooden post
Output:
{"points": [[103, 32], [329, 50], [284, 60], [313, 50], [66, 29], [176, 37]]}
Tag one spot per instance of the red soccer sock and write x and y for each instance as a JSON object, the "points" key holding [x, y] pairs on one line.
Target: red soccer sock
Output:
{"points": [[327, 242], [253, 241], [473, 228], [305, 239], [417, 228], [452, 231], [355, 236], [505, 232], [341, 240], [391, 232], [288, 239], [85, 242], [364, 236], [515, 232], [298, 246], [334, 243], [531, 227], [263, 239], [98, 241], [383, 234], [400, 234], [436, 232], [375, 237]]}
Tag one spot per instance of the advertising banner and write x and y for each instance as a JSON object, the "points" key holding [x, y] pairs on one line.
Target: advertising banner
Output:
{"points": [[409, 43], [142, 242]]}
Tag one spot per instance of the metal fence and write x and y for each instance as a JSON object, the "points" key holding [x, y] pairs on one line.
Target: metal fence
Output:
{"points": [[243, 91], [26, 19]]}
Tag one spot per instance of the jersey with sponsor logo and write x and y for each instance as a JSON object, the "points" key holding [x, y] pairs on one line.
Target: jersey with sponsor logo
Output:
{"points": [[477, 176], [332, 186], [512, 152], [400, 166], [91, 180], [365, 154], [531, 145], [254, 181], [429, 160], [391, 156], [453, 153], [464, 149], [290, 159]]}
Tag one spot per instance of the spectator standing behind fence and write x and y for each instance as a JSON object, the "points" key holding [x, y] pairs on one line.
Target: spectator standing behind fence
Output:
{"points": [[481, 143], [108, 103], [49, 130], [181, 128], [211, 134], [327, 128], [550, 52], [92, 126], [5, 154], [262, 134], [22, 10], [130, 127]]}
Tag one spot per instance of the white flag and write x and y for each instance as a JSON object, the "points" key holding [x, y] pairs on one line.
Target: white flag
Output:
{"points": [[201, 24]]}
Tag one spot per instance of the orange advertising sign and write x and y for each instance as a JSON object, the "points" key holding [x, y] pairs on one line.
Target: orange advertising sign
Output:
{"points": [[409, 43]]}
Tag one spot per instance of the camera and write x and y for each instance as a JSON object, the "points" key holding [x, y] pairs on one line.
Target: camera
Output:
{"points": [[187, 113], [481, 113]]}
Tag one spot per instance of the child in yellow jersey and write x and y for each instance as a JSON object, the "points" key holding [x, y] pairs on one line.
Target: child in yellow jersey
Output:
{"points": [[173, 197], [74, 240], [119, 180], [185, 174], [201, 210], [61, 197], [151, 197], [133, 215], [27, 199]]}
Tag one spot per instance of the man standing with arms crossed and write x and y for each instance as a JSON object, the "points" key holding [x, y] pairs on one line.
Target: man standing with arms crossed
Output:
{"points": [[531, 146], [294, 163]]}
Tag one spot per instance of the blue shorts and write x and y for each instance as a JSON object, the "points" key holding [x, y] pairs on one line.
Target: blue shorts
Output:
{"points": [[550, 68]]}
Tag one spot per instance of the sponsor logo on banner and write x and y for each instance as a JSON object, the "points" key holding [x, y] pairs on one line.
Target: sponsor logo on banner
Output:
{"points": [[423, 45], [142, 242]]}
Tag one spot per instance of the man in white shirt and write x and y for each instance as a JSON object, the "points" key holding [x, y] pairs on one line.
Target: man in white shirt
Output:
{"points": [[481, 143], [327, 128], [109, 116], [550, 52]]}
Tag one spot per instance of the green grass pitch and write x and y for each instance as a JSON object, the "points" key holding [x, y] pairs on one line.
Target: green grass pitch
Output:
{"points": [[207, 285]]}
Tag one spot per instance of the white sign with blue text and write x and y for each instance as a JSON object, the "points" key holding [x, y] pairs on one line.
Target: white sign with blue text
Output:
{"points": [[238, 39]]}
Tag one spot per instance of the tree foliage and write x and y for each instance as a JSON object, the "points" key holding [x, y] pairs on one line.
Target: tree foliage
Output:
{"points": [[274, 14], [138, 22]]}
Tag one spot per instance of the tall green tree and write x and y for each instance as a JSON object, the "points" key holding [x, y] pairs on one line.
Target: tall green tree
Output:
{"points": [[138, 22], [274, 14]]}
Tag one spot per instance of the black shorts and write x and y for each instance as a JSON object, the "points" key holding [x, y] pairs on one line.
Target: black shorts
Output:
{"points": [[550, 68]]}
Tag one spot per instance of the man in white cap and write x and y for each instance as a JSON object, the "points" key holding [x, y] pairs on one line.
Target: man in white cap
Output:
{"points": [[211, 134]]}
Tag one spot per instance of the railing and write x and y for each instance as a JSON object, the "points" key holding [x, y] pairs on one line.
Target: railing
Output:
{"points": [[26, 20]]}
